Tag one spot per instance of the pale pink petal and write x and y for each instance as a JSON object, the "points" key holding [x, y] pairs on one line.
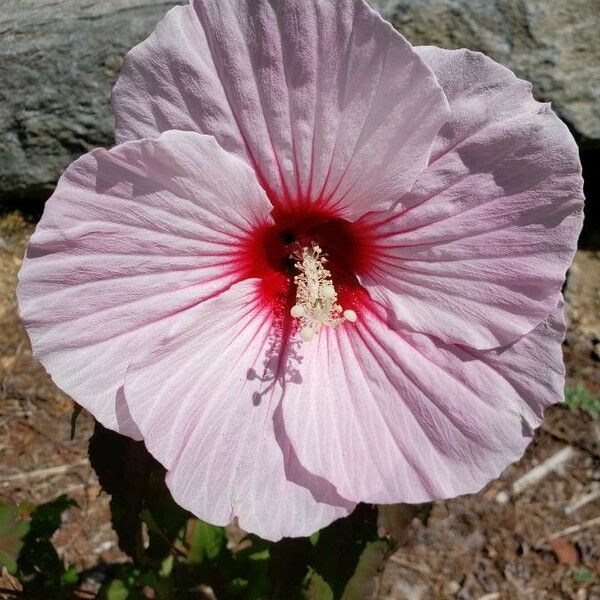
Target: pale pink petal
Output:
{"points": [[389, 416], [132, 237], [477, 251], [324, 99], [206, 398]]}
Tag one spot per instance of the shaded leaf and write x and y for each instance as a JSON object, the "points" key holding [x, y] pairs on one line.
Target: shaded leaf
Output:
{"points": [[318, 588], [336, 554], [123, 467], [206, 542], [40, 566], [288, 567], [12, 532], [369, 565]]}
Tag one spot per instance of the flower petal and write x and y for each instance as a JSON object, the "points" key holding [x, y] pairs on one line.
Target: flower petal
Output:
{"points": [[206, 398], [131, 237], [477, 251], [324, 99], [388, 416]]}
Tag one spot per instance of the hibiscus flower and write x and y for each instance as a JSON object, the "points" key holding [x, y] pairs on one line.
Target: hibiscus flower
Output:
{"points": [[320, 267]]}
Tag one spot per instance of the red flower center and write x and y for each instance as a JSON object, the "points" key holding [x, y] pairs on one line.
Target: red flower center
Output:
{"points": [[346, 246]]}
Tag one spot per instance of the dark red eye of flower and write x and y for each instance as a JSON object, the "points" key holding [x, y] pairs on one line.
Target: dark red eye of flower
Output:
{"points": [[282, 255]]}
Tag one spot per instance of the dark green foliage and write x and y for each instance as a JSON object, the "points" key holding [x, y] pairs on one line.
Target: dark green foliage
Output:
{"points": [[39, 567], [288, 567], [348, 550], [174, 555], [123, 468]]}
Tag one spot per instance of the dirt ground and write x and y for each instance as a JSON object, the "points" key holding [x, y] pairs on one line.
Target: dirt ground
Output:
{"points": [[540, 542]]}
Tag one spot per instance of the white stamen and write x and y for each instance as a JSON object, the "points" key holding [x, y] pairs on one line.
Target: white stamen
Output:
{"points": [[328, 292], [297, 311], [316, 297], [307, 334], [350, 315]]}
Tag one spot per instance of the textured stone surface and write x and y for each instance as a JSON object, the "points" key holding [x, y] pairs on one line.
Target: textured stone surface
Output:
{"points": [[58, 62], [60, 58], [555, 44]]}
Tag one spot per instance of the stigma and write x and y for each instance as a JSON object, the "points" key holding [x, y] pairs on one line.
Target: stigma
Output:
{"points": [[316, 297]]}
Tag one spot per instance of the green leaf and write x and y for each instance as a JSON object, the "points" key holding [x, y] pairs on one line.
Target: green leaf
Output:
{"points": [[347, 550], [162, 585], [318, 588], [40, 566], [166, 567], [126, 582], [583, 575], [115, 590], [207, 542], [580, 398], [123, 468], [136, 484], [70, 577], [12, 532], [369, 564]]}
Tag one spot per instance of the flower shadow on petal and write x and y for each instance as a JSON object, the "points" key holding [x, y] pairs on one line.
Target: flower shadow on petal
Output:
{"points": [[110, 175], [283, 354], [491, 357], [124, 418], [321, 489], [281, 368], [510, 167]]}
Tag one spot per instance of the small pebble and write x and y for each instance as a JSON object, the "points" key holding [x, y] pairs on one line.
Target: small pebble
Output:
{"points": [[451, 588], [502, 498]]}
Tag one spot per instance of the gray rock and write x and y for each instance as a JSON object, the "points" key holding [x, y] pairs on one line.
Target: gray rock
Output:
{"points": [[555, 44], [60, 58], [58, 63]]}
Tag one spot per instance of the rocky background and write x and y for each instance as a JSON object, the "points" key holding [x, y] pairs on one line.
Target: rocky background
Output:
{"points": [[60, 59], [58, 62]]}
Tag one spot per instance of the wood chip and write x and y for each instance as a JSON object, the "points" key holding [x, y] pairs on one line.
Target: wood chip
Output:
{"points": [[565, 551]]}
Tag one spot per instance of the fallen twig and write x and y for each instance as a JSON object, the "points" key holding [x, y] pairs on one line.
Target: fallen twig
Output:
{"points": [[571, 530], [543, 469], [423, 569], [582, 500], [46, 472]]}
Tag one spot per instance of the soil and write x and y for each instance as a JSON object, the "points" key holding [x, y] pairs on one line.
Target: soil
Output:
{"points": [[494, 545]]}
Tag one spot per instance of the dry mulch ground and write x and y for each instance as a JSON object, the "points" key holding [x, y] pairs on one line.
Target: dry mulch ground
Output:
{"points": [[541, 543]]}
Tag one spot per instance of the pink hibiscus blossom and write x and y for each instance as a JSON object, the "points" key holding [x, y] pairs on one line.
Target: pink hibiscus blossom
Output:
{"points": [[320, 267]]}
